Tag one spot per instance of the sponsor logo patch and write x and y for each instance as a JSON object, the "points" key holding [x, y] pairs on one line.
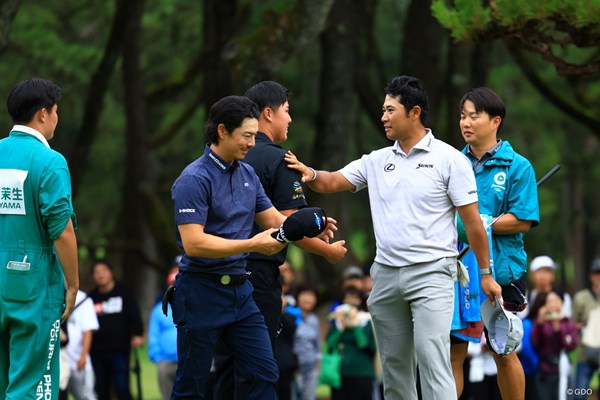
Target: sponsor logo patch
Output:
{"points": [[12, 195], [421, 165], [499, 182]]}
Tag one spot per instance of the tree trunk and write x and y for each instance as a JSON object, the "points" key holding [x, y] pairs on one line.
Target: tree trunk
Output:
{"points": [[218, 31], [8, 12], [339, 44], [135, 228], [422, 51], [98, 87]]}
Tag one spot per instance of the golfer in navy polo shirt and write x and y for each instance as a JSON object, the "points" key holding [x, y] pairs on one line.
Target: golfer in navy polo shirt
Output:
{"points": [[216, 201]]}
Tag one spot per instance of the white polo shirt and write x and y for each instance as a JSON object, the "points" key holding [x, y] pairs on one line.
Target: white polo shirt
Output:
{"points": [[413, 199], [81, 320]]}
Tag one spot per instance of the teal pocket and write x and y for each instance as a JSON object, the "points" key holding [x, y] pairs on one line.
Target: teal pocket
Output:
{"points": [[19, 284]]}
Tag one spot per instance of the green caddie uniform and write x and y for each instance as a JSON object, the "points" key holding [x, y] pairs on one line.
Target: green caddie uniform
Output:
{"points": [[35, 207]]}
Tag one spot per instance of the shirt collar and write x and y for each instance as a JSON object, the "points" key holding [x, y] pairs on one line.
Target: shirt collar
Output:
{"points": [[488, 154], [30, 131], [424, 144], [221, 164], [262, 137]]}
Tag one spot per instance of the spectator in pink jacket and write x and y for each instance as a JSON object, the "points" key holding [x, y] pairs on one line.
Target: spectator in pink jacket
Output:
{"points": [[551, 333]]}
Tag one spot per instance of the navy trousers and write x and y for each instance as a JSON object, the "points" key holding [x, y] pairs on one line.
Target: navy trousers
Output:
{"points": [[206, 311], [266, 281]]}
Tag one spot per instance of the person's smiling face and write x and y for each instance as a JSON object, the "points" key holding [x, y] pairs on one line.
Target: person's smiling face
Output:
{"points": [[477, 128], [281, 122], [236, 144]]}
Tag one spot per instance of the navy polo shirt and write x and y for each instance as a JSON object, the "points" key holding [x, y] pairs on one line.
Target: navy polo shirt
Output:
{"points": [[224, 198], [281, 184]]}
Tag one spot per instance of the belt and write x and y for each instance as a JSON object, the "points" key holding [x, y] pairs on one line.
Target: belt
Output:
{"points": [[225, 280]]}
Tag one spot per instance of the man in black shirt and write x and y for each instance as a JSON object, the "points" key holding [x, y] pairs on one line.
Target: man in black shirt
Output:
{"points": [[120, 329], [282, 186]]}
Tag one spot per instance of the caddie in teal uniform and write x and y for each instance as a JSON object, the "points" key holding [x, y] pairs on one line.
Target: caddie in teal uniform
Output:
{"points": [[506, 186], [38, 248]]}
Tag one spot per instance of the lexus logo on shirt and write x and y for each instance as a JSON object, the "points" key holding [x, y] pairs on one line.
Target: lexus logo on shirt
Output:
{"points": [[389, 167]]}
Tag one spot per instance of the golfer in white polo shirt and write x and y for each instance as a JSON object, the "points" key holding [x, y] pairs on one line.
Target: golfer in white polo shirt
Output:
{"points": [[415, 188]]}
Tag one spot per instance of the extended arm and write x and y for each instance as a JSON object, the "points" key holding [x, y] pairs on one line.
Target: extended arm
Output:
{"points": [[319, 181]]}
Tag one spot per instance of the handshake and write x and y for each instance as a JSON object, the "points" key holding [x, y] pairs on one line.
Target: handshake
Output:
{"points": [[309, 222]]}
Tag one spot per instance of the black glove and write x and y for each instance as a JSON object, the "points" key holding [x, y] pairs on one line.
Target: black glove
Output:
{"points": [[309, 222]]}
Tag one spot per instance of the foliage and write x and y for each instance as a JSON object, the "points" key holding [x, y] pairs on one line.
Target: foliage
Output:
{"points": [[188, 56], [546, 27]]}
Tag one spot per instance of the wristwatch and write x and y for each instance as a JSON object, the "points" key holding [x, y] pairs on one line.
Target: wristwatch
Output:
{"points": [[485, 271]]}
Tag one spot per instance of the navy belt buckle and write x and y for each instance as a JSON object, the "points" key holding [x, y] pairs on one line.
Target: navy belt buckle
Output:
{"points": [[225, 279]]}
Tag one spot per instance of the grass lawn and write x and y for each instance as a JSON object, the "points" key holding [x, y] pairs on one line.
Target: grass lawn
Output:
{"points": [[149, 377], [150, 391], [149, 380]]}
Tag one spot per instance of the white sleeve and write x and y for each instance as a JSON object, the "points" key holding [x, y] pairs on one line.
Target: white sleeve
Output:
{"points": [[87, 316], [356, 172], [462, 187]]}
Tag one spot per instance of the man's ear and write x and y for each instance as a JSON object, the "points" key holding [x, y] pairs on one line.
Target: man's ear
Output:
{"points": [[415, 112], [496, 121], [40, 115], [267, 114], [222, 131]]}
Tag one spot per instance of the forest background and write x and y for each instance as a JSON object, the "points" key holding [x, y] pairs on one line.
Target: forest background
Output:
{"points": [[138, 76]]}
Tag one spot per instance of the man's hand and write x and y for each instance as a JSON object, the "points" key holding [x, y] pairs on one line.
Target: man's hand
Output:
{"points": [[264, 243], [81, 362], [137, 341], [491, 288], [70, 296], [337, 251], [306, 173], [328, 233]]}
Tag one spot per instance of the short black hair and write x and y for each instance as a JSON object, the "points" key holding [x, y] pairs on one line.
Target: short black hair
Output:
{"points": [[485, 100], [268, 94], [231, 111], [538, 302], [103, 261], [410, 93], [29, 96]]}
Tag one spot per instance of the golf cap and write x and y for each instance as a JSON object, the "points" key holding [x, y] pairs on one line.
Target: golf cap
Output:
{"points": [[595, 267], [309, 222], [542, 262], [505, 329]]}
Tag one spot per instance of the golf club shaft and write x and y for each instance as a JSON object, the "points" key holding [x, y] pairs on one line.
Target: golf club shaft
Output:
{"points": [[543, 179]]}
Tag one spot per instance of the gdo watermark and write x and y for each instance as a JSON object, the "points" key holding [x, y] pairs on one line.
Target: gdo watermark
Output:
{"points": [[579, 392]]}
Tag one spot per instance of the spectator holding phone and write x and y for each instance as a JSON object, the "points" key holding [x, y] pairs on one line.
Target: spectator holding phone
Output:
{"points": [[552, 332]]}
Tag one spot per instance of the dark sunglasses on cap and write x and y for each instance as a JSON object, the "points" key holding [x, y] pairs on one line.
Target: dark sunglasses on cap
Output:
{"points": [[514, 307]]}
